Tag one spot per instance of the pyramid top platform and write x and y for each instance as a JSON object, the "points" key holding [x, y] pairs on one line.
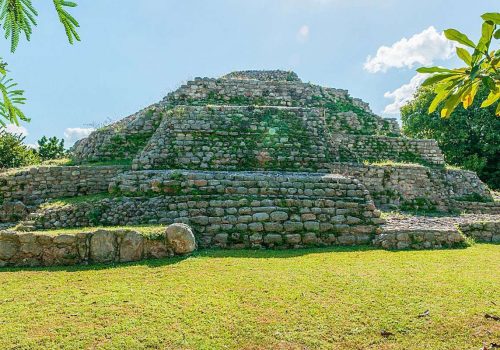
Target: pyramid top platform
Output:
{"points": [[263, 75]]}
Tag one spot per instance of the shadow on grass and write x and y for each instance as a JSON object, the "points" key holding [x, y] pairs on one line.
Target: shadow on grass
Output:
{"points": [[208, 253], [225, 253]]}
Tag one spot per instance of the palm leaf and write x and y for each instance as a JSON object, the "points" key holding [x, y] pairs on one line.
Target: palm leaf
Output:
{"points": [[68, 21]]}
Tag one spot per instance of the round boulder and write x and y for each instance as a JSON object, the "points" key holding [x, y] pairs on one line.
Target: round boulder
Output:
{"points": [[181, 238]]}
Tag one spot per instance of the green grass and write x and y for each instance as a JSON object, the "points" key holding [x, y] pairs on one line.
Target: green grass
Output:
{"points": [[91, 198], [149, 231], [339, 298], [389, 163], [115, 162]]}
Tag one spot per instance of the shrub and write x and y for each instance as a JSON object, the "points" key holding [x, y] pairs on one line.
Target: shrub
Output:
{"points": [[51, 148], [469, 139], [14, 153]]}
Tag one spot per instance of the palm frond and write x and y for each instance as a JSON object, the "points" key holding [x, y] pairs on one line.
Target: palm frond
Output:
{"points": [[68, 21], [11, 99], [17, 17]]}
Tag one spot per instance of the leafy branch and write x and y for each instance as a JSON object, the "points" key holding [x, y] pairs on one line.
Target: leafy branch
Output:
{"points": [[69, 22], [18, 17], [12, 98], [455, 86]]}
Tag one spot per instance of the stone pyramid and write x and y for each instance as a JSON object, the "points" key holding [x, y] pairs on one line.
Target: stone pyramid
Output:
{"points": [[252, 159]]}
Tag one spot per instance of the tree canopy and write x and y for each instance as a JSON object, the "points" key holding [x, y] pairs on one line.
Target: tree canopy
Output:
{"points": [[469, 139], [460, 86], [14, 153], [51, 148]]}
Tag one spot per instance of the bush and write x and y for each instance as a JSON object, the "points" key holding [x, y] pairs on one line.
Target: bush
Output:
{"points": [[51, 148], [469, 138], [14, 153]]}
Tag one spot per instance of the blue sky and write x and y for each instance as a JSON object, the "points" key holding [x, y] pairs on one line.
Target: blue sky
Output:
{"points": [[133, 52]]}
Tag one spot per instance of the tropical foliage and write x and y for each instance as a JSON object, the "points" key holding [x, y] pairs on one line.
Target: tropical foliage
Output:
{"points": [[14, 153], [51, 148], [18, 17], [455, 86], [469, 139]]}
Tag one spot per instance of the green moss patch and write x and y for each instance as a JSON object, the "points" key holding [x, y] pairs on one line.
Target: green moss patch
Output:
{"points": [[148, 231]]}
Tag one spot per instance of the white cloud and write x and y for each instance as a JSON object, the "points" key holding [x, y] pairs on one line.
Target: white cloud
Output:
{"points": [[403, 94], [303, 33], [18, 130], [72, 135], [422, 48]]}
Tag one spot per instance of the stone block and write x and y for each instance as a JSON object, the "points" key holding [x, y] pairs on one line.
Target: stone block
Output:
{"points": [[181, 238], [131, 247], [103, 245], [273, 239]]}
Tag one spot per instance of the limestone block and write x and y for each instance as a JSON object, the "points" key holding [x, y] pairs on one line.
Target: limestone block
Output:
{"points": [[273, 239], [103, 246], [181, 238], [131, 247], [8, 249]]}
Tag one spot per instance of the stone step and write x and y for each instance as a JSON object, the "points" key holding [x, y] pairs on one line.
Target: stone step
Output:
{"points": [[424, 232], [419, 238]]}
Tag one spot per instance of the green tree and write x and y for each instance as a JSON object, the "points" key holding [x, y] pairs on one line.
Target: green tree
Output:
{"points": [[17, 17], [14, 153], [51, 148], [455, 86], [470, 138]]}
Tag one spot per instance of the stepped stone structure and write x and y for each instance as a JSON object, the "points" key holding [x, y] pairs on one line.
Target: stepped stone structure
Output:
{"points": [[253, 159]]}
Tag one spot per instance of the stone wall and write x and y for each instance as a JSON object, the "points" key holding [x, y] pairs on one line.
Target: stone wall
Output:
{"points": [[238, 138], [201, 92], [225, 209], [482, 231], [121, 140], [36, 184], [381, 148], [414, 186], [98, 246], [475, 207], [420, 239], [347, 119]]}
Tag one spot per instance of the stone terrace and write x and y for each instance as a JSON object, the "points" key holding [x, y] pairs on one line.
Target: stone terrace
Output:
{"points": [[254, 159]]}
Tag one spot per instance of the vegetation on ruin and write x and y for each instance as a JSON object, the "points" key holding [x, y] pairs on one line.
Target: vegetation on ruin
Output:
{"points": [[470, 139], [148, 231], [92, 198], [14, 153], [460, 86], [389, 163], [342, 298], [17, 18]]}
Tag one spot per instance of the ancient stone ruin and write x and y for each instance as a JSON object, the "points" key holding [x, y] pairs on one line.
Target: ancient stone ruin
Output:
{"points": [[254, 159]]}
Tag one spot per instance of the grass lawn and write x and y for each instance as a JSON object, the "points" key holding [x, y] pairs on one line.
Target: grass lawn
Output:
{"points": [[339, 298]]}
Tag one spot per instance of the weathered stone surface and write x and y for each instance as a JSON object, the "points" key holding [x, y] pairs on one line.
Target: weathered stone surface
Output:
{"points": [[155, 249], [293, 238], [28, 186], [287, 136], [273, 239], [11, 210], [65, 239], [131, 247], [279, 216], [103, 246], [181, 238], [8, 249]]}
